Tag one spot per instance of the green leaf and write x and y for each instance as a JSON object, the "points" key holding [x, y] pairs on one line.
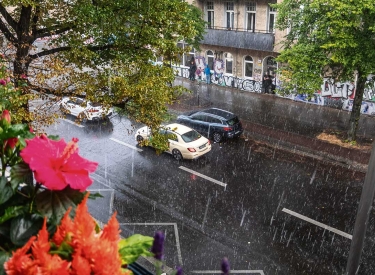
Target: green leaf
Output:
{"points": [[16, 130], [93, 196], [6, 191], [133, 247], [54, 204], [54, 137], [13, 211], [3, 258], [23, 228], [18, 174]]}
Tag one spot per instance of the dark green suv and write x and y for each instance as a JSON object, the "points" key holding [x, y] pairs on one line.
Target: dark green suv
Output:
{"points": [[213, 123]]}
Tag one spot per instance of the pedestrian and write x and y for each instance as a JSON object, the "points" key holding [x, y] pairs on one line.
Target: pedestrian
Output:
{"points": [[207, 72], [192, 70]]}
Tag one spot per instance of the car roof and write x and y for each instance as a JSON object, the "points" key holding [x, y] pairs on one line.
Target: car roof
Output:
{"points": [[178, 128], [219, 112]]}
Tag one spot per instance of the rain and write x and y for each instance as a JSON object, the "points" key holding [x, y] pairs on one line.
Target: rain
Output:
{"points": [[245, 217]]}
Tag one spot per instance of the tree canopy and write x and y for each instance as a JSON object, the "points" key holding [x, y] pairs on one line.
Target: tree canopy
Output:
{"points": [[334, 39], [101, 48]]}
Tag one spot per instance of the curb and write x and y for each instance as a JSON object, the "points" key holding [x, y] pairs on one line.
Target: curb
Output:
{"points": [[278, 143]]}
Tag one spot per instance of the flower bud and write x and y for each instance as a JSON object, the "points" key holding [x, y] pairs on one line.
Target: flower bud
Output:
{"points": [[158, 245], [3, 82], [225, 268], [6, 116]]}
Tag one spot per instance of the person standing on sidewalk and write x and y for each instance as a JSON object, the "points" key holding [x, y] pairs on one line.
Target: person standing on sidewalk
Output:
{"points": [[207, 72], [192, 70]]}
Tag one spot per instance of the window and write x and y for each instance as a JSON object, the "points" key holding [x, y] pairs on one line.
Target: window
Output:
{"points": [[210, 59], [229, 9], [248, 63], [271, 19], [250, 16], [228, 63], [186, 57], [210, 14]]}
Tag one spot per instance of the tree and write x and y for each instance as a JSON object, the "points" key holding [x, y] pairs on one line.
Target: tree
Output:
{"points": [[334, 38], [101, 48]]}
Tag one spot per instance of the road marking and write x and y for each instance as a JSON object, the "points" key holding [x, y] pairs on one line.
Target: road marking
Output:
{"points": [[125, 144], [72, 122], [231, 271], [334, 230], [203, 176], [179, 255], [99, 190]]}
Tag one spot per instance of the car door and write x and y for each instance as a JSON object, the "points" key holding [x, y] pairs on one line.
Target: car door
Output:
{"points": [[172, 141], [78, 107], [200, 123]]}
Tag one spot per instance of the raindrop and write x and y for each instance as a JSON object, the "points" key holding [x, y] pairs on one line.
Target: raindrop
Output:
{"points": [[290, 237], [313, 175], [243, 217]]}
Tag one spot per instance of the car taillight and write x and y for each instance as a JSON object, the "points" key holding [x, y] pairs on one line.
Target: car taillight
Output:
{"points": [[227, 129], [93, 111], [191, 149]]}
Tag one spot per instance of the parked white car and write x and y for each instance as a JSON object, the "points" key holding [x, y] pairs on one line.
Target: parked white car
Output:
{"points": [[183, 142], [83, 109]]}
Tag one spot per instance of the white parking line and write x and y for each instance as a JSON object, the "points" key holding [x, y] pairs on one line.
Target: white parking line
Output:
{"points": [[302, 217], [232, 271], [203, 176], [125, 144], [72, 122]]}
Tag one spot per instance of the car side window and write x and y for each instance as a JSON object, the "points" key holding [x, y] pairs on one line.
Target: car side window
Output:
{"points": [[200, 117], [214, 120], [172, 136]]}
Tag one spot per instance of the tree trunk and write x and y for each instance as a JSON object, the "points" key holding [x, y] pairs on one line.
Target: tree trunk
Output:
{"points": [[356, 111]]}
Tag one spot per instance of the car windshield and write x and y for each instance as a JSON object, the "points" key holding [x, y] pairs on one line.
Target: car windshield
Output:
{"points": [[233, 121], [191, 136]]}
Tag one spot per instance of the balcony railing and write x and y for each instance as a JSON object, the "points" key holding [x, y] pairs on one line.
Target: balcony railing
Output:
{"points": [[239, 38]]}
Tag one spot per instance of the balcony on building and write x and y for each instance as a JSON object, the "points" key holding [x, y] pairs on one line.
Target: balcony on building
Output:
{"points": [[239, 38]]}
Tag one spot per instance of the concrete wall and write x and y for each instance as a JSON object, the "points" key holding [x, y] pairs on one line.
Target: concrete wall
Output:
{"points": [[299, 117]]}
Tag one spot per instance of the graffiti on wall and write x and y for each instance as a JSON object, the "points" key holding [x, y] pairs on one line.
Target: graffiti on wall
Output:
{"points": [[337, 89], [218, 67], [200, 62], [369, 93]]}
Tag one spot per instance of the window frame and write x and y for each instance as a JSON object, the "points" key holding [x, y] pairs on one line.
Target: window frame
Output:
{"points": [[210, 12], [229, 14], [226, 60], [245, 62], [252, 13]]}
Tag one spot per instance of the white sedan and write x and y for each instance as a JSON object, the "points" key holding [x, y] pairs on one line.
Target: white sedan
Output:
{"points": [[83, 109], [183, 142]]}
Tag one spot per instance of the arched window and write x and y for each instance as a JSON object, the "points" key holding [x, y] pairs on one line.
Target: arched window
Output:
{"points": [[228, 59], [210, 59], [248, 67]]}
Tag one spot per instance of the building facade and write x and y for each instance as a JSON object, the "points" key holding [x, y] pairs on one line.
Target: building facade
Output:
{"points": [[240, 40]]}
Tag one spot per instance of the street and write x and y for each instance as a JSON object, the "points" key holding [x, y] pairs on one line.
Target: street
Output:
{"points": [[268, 211]]}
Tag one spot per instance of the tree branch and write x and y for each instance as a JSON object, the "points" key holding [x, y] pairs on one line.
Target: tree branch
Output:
{"points": [[50, 31], [62, 49], [8, 18], [48, 52], [8, 35]]}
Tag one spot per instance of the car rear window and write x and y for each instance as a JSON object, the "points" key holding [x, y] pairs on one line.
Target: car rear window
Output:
{"points": [[233, 121], [95, 104], [190, 136]]}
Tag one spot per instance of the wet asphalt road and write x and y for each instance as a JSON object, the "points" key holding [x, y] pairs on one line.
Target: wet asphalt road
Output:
{"points": [[244, 203]]}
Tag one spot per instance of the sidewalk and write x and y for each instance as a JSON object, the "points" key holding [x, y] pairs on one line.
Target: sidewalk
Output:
{"points": [[351, 158]]}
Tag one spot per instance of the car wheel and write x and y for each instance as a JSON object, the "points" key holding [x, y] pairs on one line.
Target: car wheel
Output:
{"points": [[82, 117], [177, 154], [217, 137], [139, 139]]}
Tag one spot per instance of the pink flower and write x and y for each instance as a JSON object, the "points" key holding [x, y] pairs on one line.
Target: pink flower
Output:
{"points": [[6, 115], [7, 79], [57, 164], [3, 82], [23, 76]]}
